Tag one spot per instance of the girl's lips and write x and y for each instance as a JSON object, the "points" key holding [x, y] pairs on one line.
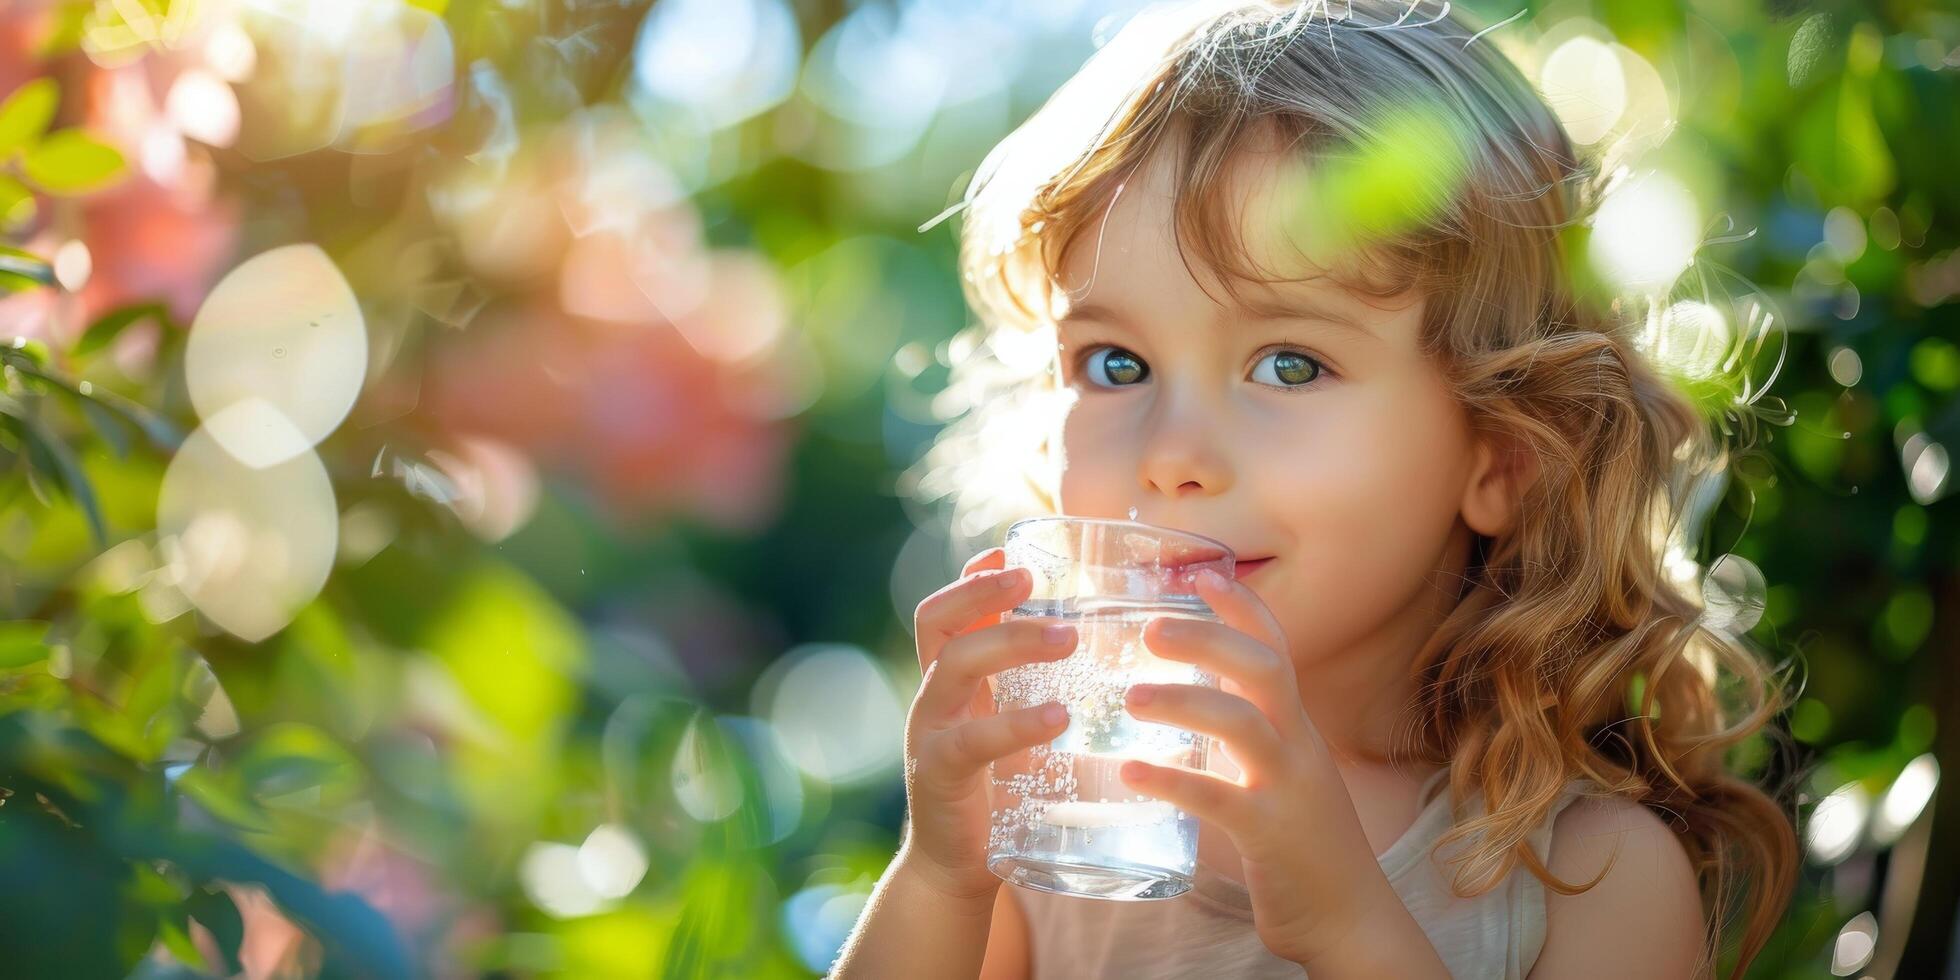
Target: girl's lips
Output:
{"points": [[1245, 567]]}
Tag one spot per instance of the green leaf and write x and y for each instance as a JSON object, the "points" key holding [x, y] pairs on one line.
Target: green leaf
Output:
{"points": [[23, 642], [148, 886], [161, 433], [220, 795], [290, 758], [215, 910], [72, 162], [1841, 146], [1402, 177], [1935, 363], [107, 425], [26, 114], [37, 486], [178, 941], [153, 688], [1651, 27], [111, 325], [47, 452], [23, 270], [26, 355], [17, 206]]}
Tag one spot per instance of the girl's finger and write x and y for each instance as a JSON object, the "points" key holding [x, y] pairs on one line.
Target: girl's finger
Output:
{"points": [[948, 758], [967, 660], [990, 558], [967, 604], [1260, 673], [1208, 796], [1253, 741], [1241, 608]]}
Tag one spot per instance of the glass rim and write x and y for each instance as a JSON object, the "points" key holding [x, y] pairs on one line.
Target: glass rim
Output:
{"points": [[1158, 529]]}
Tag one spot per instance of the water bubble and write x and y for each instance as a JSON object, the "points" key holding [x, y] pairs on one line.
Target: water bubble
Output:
{"points": [[1926, 464], [1733, 594], [1846, 367], [1133, 513], [1855, 944]]}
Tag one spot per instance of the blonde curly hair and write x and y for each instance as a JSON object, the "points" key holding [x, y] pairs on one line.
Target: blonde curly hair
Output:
{"points": [[1575, 647]]}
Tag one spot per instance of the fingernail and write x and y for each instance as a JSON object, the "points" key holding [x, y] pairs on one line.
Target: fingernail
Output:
{"points": [[1054, 714], [1056, 634], [1212, 577], [1008, 579], [1140, 694]]}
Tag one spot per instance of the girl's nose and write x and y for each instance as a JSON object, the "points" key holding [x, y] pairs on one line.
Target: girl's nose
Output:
{"points": [[1178, 463]]}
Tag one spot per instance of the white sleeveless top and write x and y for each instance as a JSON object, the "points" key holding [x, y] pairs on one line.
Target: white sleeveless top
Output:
{"points": [[1208, 932]]}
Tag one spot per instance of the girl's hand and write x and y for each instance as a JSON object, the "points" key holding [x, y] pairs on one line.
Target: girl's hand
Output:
{"points": [[1313, 877], [953, 731]]}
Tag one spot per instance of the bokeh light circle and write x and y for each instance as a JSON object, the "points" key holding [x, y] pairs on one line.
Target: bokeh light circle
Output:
{"points": [[1645, 232], [1583, 83], [1836, 823], [835, 712], [282, 330], [248, 546], [703, 775]]}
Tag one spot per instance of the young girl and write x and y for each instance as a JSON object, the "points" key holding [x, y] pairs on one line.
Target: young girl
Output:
{"points": [[1293, 278]]}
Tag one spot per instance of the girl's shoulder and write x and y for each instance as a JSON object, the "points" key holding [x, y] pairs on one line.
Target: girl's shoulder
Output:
{"points": [[1644, 905]]}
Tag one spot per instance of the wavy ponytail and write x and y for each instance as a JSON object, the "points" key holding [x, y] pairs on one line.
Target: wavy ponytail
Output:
{"points": [[1574, 653]]}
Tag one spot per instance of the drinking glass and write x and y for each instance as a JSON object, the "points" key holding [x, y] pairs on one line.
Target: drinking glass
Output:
{"points": [[1063, 821]]}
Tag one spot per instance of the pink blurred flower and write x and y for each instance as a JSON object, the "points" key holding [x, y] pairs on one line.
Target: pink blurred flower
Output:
{"points": [[22, 26], [164, 232], [640, 361], [152, 242], [632, 409], [161, 233], [400, 887], [273, 946]]}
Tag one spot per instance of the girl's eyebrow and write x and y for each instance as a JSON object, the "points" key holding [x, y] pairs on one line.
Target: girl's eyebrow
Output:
{"points": [[1289, 308], [1303, 308], [1091, 313]]}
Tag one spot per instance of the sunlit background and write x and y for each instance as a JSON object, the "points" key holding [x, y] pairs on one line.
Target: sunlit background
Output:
{"points": [[461, 488]]}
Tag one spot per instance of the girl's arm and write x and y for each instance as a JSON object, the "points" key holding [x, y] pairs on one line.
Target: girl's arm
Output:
{"points": [[1007, 945], [915, 927], [1644, 919], [1385, 942]]}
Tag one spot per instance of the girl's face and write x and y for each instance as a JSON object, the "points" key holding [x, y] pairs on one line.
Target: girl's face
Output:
{"points": [[1310, 432]]}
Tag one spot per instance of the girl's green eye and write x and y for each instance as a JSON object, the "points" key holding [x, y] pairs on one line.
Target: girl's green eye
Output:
{"points": [[1117, 364], [1291, 368], [1109, 366]]}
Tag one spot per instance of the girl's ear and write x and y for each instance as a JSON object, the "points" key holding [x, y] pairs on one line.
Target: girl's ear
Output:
{"points": [[1503, 468]]}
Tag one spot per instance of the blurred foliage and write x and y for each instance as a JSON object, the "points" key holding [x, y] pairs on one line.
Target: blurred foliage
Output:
{"points": [[605, 677]]}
